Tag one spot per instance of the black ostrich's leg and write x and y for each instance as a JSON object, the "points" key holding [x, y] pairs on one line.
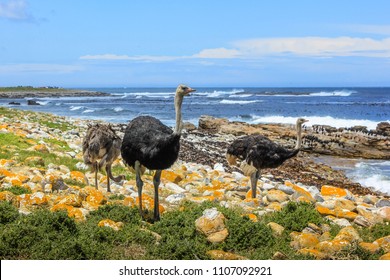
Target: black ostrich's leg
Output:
{"points": [[254, 177], [156, 183], [137, 167], [108, 172]]}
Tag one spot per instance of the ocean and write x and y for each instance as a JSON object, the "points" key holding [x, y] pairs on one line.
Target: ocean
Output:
{"points": [[338, 107]]}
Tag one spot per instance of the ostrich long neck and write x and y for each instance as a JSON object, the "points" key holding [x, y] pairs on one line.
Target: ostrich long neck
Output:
{"points": [[299, 137], [178, 102]]}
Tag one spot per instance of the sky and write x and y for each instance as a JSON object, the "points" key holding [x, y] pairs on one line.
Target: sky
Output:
{"points": [[150, 43]]}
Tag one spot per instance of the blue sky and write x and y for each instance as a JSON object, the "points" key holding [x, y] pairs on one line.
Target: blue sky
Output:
{"points": [[96, 43]]}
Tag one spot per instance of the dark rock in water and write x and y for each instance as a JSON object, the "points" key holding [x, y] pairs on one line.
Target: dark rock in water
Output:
{"points": [[32, 102], [14, 103]]}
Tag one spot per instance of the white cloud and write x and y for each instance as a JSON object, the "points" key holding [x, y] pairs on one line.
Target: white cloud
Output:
{"points": [[15, 10], [41, 68], [218, 53], [315, 46], [321, 47], [302, 46]]}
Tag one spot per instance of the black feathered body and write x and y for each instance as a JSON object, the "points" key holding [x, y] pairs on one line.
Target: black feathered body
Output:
{"points": [[259, 151], [150, 142]]}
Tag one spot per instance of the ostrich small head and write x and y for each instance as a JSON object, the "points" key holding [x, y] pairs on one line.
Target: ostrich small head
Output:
{"points": [[183, 90], [300, 121]]}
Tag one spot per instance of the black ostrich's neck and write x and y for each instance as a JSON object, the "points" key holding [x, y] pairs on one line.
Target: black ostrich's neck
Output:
{"points": [[178, 102], [299, 137]]}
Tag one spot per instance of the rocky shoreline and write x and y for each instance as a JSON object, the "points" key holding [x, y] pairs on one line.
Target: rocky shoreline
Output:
{"points": [[41, 153], [42, 92]]}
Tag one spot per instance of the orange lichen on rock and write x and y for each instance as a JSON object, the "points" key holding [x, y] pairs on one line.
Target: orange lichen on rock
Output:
{"points": [[35, 199], [110, 223], [384, 243], [249, 193], [42, 148], [325, 211], [327, 190], [71, 199], [7, 196], [171, 176], [301, 192], [332, 246], [370, 247], [313, 252], [304, 240], [73, 212], [129, 201], [78, 177], [222, 255]]}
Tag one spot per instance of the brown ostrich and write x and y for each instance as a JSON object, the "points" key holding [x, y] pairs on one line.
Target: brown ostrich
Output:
{"points": [[101, 147]]}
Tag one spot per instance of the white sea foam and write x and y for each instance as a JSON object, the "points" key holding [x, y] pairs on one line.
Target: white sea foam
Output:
{"points": [[372, 174], [118, 109], [144, 94], [88, 111], [75, 108], [333, 93], [43, 103], [217, 93], [225, 101], [313, 120], [240, 95]]}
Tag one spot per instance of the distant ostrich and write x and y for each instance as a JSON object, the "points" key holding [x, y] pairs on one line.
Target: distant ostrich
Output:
{"points": [[101, 147], [149, 143], [258, 152]]}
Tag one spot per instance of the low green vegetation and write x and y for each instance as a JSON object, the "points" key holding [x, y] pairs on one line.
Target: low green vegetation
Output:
{"points": [[53, 235], [18, 190]]}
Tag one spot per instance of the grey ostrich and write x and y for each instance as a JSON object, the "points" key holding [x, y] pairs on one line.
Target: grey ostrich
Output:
{"points": [[258, 152], [149, 143], [101, 147]]}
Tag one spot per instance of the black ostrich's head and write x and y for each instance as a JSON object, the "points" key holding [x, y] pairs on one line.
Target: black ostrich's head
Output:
{"points": [[300, 121], [184, 90]]}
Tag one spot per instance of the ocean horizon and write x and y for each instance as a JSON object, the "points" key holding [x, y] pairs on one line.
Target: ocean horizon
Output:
{"points": [[334, 106]]}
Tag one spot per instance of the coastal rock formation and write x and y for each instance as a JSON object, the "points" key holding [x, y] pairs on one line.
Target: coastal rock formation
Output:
{"points": [[31, 92]]}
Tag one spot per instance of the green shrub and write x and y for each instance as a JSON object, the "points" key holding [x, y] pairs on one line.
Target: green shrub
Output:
{"points": [[180, 239], [246, 235], [117, 213], [371, 234], [39, 235], [295, 216], [8, 212], [17, 190]]}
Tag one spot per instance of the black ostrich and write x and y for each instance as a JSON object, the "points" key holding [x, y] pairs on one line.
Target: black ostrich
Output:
{"points": [[149, 143], [258, 152], [101, 147]]}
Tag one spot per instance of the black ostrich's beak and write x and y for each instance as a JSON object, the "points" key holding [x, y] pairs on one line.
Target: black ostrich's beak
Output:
{"points": [[189, 90]]}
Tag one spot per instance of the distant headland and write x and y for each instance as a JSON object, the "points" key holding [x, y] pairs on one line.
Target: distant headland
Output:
{"points": [[49, 91]]}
